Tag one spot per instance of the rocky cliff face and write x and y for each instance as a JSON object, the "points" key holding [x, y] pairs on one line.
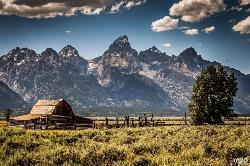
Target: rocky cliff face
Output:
{"points": [[121, 77], [9, 99]]}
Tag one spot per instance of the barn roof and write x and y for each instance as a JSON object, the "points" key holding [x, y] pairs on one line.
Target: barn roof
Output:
{"points": [[26, 117], [45, 107], [42, 107], [48, 102]]}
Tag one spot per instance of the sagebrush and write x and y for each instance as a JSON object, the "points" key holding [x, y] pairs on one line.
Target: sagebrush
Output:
{"points": [[171, 145]]}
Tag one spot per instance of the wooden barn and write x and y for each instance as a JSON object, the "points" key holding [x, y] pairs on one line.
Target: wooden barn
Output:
{"points": [[51, 114]]}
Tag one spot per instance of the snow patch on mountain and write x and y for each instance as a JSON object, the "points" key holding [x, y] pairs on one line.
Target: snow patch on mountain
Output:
{"points": [[147, 72]]}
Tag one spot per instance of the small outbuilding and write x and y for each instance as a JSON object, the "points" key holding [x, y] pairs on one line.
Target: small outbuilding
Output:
{"points": [[51, 114]]}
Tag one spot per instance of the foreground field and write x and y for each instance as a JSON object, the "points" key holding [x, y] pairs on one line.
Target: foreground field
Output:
{"points": [[171, 145]]}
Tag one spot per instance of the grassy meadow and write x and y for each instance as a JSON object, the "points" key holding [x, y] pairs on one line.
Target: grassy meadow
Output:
{"points": [[170, 145]]}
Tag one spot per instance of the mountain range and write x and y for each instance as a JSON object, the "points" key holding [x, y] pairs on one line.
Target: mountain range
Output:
{"points": [[120, 78]]}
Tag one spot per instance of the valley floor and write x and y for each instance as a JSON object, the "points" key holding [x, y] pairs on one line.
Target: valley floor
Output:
{"points": [[170, 145]]}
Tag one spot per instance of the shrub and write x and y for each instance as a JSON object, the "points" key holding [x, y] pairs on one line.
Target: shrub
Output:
{"points": [[142, 161], [236, 152]]}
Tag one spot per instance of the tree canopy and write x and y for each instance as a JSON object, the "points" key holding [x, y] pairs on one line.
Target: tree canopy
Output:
{"points": [[213, 96]]}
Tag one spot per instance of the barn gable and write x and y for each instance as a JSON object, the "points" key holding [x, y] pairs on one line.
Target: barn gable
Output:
{"points": [[48, 107], [45, 107]]}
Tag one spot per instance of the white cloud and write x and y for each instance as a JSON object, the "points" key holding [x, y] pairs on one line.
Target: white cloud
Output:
{"points": [[131, 4], [200, 44], [116, 7], [196, 10], [89, 11], [167, 45], [53, 8], [243, 26], [68, 31], [244, 2], [236, 8], [209, 29], [164, 24], [191, 32], [183, 27], [125, 4]]}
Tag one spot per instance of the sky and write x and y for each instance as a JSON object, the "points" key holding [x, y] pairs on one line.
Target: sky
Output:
{"points": [[219, 30]]}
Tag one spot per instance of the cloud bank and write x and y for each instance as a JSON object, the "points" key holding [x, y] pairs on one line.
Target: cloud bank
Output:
{"points": [[164, 24], [243, 26], [244, 2], [53, 8], [196, 10]]}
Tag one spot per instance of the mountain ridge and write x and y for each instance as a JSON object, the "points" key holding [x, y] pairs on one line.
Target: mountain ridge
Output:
{"points": [[106, 80]]}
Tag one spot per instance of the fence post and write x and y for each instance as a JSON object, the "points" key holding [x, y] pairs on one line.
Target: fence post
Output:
{"points": [[185, 118], [133, 124], [41, 122], [140, 123], [146, 121], [46, 122], [127, 121], [25, 124], [117, 122], [107, 121]]}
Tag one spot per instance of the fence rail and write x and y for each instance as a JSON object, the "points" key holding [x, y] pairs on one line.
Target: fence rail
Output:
{"points": [[118, 122], [155, 121]]}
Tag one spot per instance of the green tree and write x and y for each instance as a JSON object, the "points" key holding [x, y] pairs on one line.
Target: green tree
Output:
{"points": [[7, 114], [213, 96]]}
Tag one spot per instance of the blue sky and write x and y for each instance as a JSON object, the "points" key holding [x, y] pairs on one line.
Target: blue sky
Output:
{"points": [[91, 26]]}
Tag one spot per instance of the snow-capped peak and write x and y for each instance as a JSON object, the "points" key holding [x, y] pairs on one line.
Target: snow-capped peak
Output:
{"points": [[18, 54], [69, 51], [122, 39]]}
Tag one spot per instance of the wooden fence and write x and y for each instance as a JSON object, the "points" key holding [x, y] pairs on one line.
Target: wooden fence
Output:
{"points": [[118, 122]]}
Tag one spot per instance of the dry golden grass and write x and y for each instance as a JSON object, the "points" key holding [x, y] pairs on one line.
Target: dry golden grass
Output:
{"points": [[3, 124], [170, 145]]}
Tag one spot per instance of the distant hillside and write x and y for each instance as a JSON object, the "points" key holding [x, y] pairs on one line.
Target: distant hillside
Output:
{"points": [[9, 98]]}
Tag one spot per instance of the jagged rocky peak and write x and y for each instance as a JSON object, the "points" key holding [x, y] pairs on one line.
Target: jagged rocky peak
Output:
{"points": [[69, 51], [154, 49], [18, 54], [69, 55], [189, 50], [190, 58], [120, 44], [49, 52], [121, 39], [15, 50], [153, 54], [19, 50], [50, 56], [190, 54], [120, 48]]}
